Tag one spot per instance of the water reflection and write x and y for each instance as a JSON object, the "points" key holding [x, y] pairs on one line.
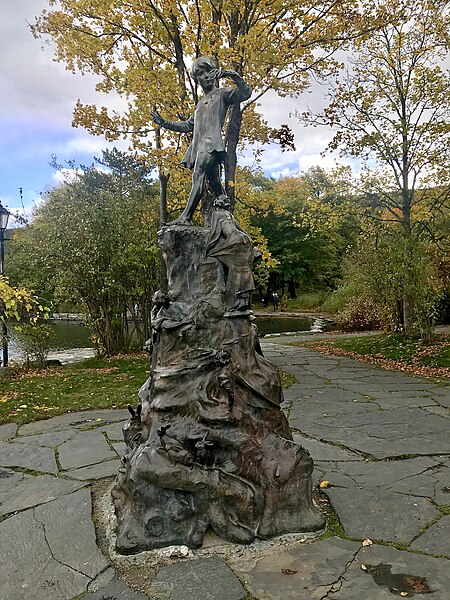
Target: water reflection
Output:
{"points": [[74, 334]]}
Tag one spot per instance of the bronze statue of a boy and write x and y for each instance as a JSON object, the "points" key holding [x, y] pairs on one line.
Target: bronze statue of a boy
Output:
{"points": [[207, 150]]}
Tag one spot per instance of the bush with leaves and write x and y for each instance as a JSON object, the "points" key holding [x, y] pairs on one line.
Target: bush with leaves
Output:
{"points": [[376, 278], [34, 342], [17, 302]]}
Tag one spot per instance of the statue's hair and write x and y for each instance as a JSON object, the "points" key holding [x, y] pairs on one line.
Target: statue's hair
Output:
{"points": [[201, 61]]}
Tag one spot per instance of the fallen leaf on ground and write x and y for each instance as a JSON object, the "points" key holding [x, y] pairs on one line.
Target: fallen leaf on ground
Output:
{"points": [[367, 542], [288, 572], [324, 484]]}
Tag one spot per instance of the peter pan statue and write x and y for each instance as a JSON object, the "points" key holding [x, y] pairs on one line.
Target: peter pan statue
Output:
{"points": [[207, 150]]}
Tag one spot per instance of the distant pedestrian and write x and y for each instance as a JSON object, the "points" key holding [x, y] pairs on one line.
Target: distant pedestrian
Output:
{"points": [[275, 300]]}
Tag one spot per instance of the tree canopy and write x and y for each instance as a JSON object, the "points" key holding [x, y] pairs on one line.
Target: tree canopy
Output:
{"points": [[308, 221], [143, 49]]}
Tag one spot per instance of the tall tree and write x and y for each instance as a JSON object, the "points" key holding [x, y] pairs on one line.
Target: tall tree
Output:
{"points": [[308, 222], [393, 109], [142, 49], [93, 240]]}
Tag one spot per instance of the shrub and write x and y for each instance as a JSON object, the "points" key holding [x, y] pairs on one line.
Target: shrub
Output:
{"points": [[34, 342]]}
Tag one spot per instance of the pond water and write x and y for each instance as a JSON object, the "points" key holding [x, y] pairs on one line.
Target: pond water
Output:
{"points": [[74, 334], [269, 325]]}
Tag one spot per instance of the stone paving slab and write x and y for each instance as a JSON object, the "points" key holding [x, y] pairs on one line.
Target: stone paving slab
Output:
{"points": [[7, 431], [325, 394], [441, 411], [405, 388], [389, 401], [9, 479], [436, 540], [31, 491], [357, 584], [70, 533], [325, 452], [422, 476], [27, 569], [51, 439], [29, 457], [105, 469], [380, 514], [200, 579], [332, 569], [431, 484], [120, 448], [442, 396], [86, 448], [382, 434], [50, 552], [114, 430], [395, 474], [304, 572], [76, 419], [324, 410]]}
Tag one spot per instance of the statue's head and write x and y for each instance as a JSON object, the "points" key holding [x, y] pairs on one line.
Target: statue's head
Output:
{"points": [[222, 202], [160, 299], [205, 62]]}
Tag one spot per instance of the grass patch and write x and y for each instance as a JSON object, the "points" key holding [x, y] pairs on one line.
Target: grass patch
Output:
{"points": [[287, 379], [394, 347], [92, 384], [392, 351], [305, 301]]}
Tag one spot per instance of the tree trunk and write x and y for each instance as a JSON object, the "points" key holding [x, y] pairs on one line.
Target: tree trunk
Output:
{"points": [[291, 289], [407, 300], [232, 138], [408, 321], [163, 181]]}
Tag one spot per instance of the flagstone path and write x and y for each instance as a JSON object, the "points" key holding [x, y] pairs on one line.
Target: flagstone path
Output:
{"points": [[381, 439]]}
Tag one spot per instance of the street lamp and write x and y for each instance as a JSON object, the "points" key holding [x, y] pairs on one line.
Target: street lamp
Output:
{"points": [[4, 216]]}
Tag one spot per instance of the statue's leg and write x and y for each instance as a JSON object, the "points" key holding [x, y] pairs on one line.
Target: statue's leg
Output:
{"points": [[198, 180], [213, 175]]}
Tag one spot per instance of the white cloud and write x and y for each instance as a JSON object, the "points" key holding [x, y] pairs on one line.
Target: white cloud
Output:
{"points": [[89, 144], [25, 211], [286, 172], [33, 85]]}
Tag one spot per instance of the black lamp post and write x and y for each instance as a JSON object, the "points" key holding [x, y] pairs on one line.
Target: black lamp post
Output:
{"points": [[4, 216]]}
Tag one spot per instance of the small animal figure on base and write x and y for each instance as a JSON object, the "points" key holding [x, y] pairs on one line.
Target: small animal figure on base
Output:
{"points": [[134, 431]]}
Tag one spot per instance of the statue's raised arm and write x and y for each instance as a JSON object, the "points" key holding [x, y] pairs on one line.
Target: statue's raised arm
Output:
{"points": [[207, 150]]}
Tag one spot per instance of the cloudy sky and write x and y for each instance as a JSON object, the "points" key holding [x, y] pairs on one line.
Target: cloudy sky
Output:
{"points": [[37, 101]]}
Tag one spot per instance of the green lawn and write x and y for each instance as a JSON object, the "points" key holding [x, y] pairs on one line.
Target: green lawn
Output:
{"points": [[92, 384]]}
